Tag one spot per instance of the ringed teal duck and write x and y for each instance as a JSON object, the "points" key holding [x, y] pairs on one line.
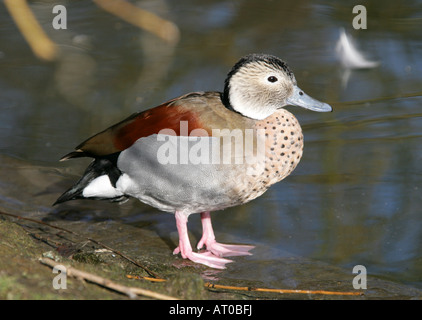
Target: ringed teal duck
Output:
{"points": [[202, 152]]}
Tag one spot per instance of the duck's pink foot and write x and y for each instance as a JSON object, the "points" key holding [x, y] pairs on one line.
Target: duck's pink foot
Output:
{"points": [[225, 250], [206, 258], [219, 249], [185, 249]]}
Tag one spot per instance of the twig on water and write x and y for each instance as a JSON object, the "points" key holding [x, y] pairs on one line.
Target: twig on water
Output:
{"points": [[325, 292], [129, 276]]}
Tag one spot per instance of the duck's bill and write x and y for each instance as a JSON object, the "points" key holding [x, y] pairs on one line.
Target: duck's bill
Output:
{"points": [[301, 99]]}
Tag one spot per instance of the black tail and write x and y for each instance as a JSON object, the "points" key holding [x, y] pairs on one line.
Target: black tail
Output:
{"points": [[99, 167]]}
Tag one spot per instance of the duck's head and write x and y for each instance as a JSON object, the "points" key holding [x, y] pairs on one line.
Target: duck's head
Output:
{"points": [[259, 84]]}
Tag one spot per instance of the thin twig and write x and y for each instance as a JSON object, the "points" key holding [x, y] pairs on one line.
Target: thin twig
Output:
{"points": [[131, 292], [87, 238], [325, 292], [129, 276]]}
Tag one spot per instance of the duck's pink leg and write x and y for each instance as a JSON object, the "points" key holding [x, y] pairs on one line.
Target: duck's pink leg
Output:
{"points": [[219, 249], [185, 247]]}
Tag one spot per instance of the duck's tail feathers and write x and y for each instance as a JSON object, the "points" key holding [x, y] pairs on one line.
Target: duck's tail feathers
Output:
{"points": [[98, 182]]}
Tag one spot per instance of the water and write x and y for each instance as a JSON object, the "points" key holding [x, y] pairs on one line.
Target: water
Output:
{"points": [[354, 199]]}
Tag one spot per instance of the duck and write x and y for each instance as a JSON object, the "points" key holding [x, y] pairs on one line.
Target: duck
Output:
{"points": [[202, 152]]}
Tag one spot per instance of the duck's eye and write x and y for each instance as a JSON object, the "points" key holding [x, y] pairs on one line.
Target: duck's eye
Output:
{"points": [[272, 79]]}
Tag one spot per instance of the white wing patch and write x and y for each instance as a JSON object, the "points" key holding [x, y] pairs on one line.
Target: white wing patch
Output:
{"points": [[101, 187]]}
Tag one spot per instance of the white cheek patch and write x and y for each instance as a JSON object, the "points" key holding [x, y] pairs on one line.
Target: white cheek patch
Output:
{"points": [[101, 187], [247, 107]]}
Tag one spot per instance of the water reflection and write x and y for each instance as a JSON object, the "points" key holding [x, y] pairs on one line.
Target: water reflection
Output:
{"points": [[354, 198]]}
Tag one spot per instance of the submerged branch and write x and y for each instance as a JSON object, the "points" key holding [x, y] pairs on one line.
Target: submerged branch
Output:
{"points": [[141, 18], [42, 46]]}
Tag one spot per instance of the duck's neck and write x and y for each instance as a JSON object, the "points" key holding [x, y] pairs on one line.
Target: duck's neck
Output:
{"points": [[236, 102]]}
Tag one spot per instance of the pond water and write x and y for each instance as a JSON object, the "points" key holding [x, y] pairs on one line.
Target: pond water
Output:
{"points": [[354, 199]]}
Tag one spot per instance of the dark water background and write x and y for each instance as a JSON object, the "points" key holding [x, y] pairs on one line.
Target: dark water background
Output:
{"points": [[355, 198]]}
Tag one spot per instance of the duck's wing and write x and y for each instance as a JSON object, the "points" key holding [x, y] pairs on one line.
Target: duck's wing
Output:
{"points": [[167, 116]]}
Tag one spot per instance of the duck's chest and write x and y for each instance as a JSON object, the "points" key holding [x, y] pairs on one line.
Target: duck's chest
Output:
{"points": [[277, 152], [283, 148]]}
